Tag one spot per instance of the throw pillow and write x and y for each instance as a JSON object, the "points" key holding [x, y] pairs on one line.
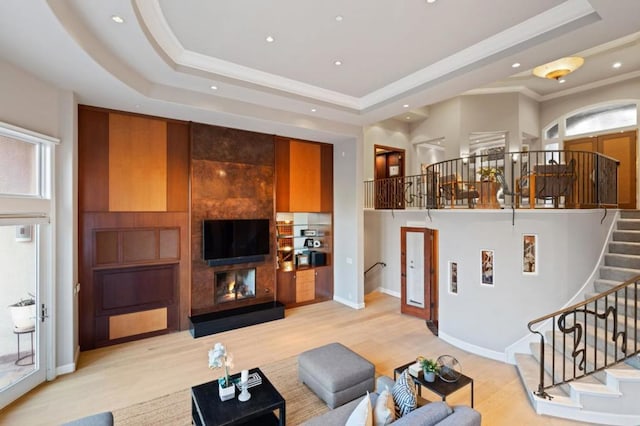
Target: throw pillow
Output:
{"points": [[384, 412], [404, 394], [361, 415]]}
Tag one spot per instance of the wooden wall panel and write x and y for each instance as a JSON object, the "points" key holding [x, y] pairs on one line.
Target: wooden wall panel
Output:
{"points": [[137, 163], [326, 184], [127, 289], [106, 247], [282, 174], [177, 167], [169, 244], [139, 245], [93, 160], [126, 325], [304, 176]]}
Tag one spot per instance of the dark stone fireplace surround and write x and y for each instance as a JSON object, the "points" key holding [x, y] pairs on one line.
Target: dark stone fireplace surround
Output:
{"points": [[232, 177]]}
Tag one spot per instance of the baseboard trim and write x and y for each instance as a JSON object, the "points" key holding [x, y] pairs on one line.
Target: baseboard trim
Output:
{"points": [[477, 350], [348, 302], [389, 292], [71, 367]]}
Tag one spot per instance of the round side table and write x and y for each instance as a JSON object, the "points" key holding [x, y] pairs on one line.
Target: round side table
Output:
{"points": [[19, 332]]}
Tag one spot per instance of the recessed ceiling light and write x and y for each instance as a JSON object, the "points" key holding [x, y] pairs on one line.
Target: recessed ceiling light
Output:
{"points": [[431, 1], [408, 117], [562, 80], [213, 87], [117, 19], [338, 62], [270, 39], [339, 18], [617, 65], [405, 106], [515, 65], [313, 110]]}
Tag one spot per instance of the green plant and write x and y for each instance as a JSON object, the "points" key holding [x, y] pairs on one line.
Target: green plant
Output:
{"points": [[488, 173], [31, 300], [428, 365]]}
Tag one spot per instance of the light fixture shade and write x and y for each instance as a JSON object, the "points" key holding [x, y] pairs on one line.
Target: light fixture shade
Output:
{"points": [[558, 68]]}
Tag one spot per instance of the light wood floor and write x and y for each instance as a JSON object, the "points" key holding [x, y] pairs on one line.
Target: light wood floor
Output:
{"points": [[122, 375]]}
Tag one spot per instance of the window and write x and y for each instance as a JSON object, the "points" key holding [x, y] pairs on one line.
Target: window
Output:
{"points": [[552, 132], [602, 118]]}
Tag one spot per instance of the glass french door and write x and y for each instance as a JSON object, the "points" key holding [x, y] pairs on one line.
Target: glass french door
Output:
{"points": [[24, 274]]}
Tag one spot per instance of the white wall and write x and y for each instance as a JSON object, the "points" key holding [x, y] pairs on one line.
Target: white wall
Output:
{"points": [[490, 318], [443, 122], [36, 105], [529, 118]]}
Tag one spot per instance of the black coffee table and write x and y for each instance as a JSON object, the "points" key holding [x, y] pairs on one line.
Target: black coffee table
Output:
{"points": [[207, 409], [439, 386]]}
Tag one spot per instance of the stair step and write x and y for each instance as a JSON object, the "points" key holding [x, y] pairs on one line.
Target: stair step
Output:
{"points": [[620, 275], [626, 235], [630, 214], [529, 371], [629, 261], [600, 389], [621, 303], [628, 374], [623, 247], [628, 224]]}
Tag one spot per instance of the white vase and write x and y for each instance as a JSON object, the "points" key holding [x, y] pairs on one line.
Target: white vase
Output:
{"points": [[226, 393], [429, 376], [23, 317]]}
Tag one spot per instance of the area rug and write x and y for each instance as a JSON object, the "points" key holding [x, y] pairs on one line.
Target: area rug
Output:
{"points": [[175, 408]]}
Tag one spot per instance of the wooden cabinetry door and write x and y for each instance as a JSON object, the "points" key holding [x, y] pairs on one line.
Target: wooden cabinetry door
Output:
{"points": [[304, 176], [305, 285], [286, 287], [324, 282]]}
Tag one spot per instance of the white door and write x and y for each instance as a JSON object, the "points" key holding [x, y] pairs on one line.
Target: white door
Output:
{"points": [[415, 269], [24, 278]]}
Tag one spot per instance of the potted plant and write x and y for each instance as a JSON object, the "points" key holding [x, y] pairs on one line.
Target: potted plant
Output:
{"points": [[429, 368], [219, 358], [23, 313], [488, 174]]}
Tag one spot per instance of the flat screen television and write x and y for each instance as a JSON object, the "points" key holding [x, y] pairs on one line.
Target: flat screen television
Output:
{"points": [[227, 241]]}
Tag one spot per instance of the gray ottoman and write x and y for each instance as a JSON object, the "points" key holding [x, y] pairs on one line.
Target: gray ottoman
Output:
{"points": [[336, 374]]}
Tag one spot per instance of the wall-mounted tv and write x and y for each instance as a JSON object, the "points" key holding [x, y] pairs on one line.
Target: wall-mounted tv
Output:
{"points": [[228, 241]]}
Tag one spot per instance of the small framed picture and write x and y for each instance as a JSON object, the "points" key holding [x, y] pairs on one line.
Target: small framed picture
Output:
{"points": [[488, 276], [530, 254], [302, 260], [23, 233], [394, 171], [453, 277]]}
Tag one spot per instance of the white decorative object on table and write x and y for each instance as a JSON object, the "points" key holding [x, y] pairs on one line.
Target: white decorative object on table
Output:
{"points": [[218, 358], [244, 381]]}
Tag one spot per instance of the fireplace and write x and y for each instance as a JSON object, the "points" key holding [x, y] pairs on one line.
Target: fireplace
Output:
{"points": [[235, 285]]}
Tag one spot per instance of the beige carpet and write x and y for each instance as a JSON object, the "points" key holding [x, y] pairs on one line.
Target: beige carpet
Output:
{"points": [[175, 408]]}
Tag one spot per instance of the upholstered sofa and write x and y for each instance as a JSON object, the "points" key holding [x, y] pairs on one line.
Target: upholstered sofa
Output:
{"points": [[428, 414]]}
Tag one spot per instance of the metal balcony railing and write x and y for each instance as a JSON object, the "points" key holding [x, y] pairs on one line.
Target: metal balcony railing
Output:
{"points": [[528, 179]]}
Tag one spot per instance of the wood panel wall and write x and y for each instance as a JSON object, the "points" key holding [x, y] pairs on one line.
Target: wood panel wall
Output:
{"points": [[232, 177], [133, 201]]}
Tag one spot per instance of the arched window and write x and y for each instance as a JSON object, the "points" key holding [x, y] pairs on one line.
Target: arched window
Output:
{"points": [[602, 118]]}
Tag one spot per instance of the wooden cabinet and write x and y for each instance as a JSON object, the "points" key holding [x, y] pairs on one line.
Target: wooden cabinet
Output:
{"points": [[304, 176], [305, 285]]}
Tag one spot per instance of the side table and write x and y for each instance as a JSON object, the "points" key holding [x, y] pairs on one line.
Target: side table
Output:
{"points": [[439, 386], [207, 409], [19, 332]]}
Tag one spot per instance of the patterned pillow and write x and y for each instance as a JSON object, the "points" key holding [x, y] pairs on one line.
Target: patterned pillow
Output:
{"points": [[404, 394]]}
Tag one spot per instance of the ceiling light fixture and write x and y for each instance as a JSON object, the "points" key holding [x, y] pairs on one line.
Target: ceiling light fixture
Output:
{"points": [[313, 110], [431, 1], [339, 18], [515, 65], [559, 68], [562, 80], [213, 87], [270, 39], [617, 65], [405, 106], [117, 19], [408, 118], [338, 63]]}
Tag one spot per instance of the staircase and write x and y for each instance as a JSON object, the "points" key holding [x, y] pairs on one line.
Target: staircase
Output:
{"points": [[601, 383]]}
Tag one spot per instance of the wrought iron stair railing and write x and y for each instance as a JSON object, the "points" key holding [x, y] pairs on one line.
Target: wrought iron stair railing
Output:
{"points": [[588, 337]]}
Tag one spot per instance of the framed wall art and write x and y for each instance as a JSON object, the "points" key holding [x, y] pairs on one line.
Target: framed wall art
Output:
{"points": [[453, 277], [488, 276], [530, 254]]}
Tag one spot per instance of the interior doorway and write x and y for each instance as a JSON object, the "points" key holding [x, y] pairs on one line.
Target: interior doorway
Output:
{"points": [[419, 277], [389, 165], [622, 147]]}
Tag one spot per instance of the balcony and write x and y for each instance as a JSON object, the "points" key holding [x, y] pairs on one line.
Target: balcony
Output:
{"points": [[514, 180]]}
